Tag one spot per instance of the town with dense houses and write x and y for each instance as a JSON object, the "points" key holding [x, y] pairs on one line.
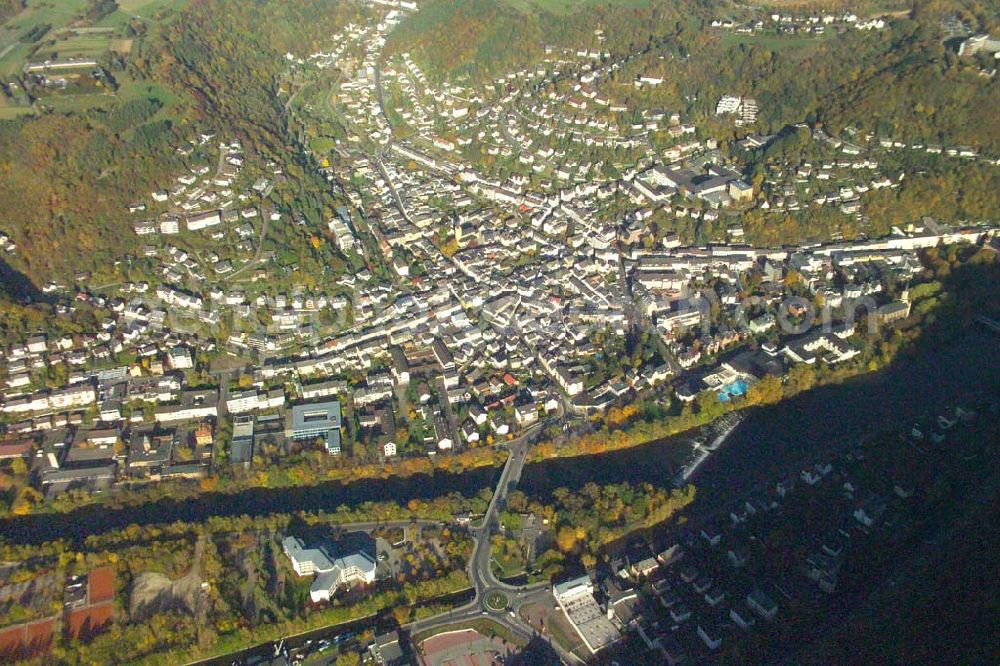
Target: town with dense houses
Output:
{"points": [[484, 321], [517, 260]]}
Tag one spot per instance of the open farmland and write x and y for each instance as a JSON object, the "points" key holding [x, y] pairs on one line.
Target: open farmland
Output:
{"points": [[47, 29]]}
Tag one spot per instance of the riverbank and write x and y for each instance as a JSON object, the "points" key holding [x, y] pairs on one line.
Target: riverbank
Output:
{"points": [[771, 438], [277, 478], [764, 441], [702, 452], [361, 501], [770, 442]]}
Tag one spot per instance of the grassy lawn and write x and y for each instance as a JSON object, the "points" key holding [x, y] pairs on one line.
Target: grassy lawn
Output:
{"points": [[173, 104], [148, 10], [129, 89], [122, 46], [508, 561], [57, 13], [497, 601], [68, 103], [507, 569], [562, 632], [13, 57], [12, 112], [507, 558], [72, 45]]}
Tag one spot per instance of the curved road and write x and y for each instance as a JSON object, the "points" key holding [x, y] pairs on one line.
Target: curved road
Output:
{"points": [[481, 573]]}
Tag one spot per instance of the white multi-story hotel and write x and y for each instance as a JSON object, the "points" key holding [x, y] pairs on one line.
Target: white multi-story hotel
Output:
{"points": [[330, 572]]}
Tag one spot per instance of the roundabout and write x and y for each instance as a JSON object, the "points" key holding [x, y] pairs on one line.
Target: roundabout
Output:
{"points": [[496, 601]]}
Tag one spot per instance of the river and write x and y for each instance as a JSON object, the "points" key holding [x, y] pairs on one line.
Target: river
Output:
{"points": [[96, 518], [765, 444], [771, 440]]}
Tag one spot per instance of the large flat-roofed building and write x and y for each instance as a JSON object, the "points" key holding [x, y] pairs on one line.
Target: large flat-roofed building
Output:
{"points": [[241, 451], [331, 572], [740, 191], [319, 420], [195, 405], [576, 598]]}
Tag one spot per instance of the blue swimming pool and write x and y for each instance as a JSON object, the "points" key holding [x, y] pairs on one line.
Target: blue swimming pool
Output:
{"points": [[733, 390]]}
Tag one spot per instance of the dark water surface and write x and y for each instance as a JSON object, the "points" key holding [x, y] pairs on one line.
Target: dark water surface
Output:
{"points": [[770, 439], [764, 445], [95, 519]]}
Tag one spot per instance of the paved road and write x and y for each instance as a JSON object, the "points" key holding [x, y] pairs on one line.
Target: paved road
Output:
{"points": [[381, 97], [392, 188], [481, 572]]}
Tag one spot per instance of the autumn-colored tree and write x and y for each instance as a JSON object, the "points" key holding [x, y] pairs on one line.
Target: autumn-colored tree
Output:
{"points": [[566, 539], [767, 391], [25, 501], [401, 614], [348, 659]]}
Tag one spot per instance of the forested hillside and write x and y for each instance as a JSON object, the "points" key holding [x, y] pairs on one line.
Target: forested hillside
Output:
{"points": [[482, 38], [229, 58], [66, 183], [906, 81], [920, 90], [458, 37], [69, 177]]}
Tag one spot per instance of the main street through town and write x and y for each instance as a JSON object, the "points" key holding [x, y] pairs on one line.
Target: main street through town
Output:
{"points": [[484, 582]]}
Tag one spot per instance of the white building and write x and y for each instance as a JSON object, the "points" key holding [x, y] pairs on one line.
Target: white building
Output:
{"points": [[576, 599], [331, 572], [180, 358], [169, 225], [203, 220]]}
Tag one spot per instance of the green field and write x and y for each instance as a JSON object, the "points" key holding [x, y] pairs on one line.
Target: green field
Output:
{"points": [[128, 90], [148, 10], [13, 112], [76, 103], [61, 15], [57, 13], [71, 45], [131, 89]]}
